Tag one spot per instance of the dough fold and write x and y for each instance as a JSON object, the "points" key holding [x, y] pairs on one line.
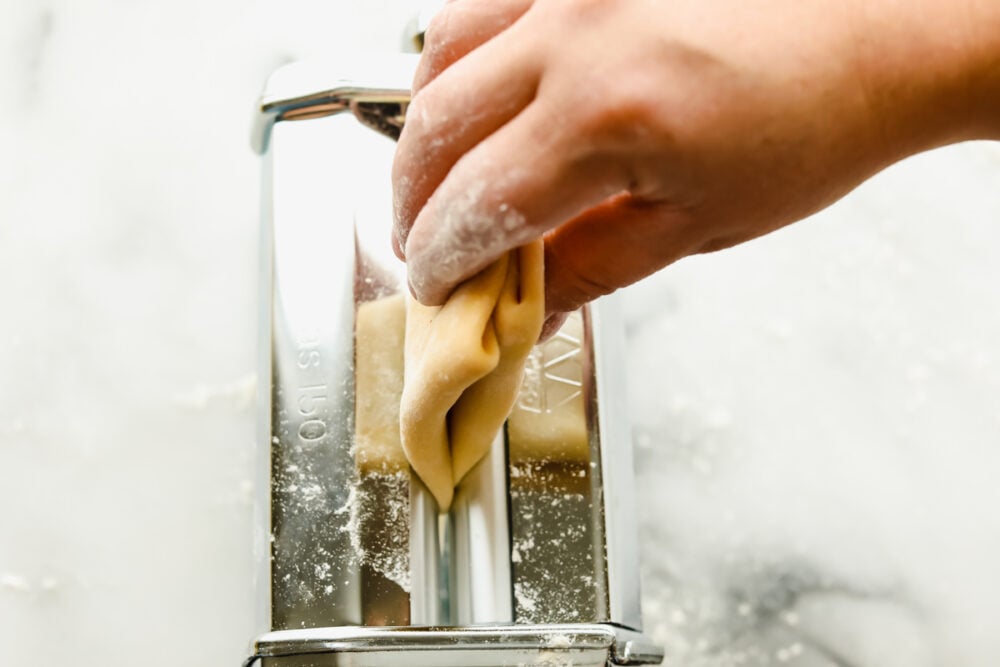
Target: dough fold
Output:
{"points": [[463, 366]]}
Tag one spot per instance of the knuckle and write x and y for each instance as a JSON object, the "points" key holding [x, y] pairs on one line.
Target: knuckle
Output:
{"points": [[625, 112], [415, 115], [420, 124], [437, 27], [436, 53], [584, 9]]}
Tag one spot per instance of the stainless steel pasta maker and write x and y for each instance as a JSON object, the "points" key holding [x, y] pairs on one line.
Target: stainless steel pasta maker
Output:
{"points": [[537, 561]]}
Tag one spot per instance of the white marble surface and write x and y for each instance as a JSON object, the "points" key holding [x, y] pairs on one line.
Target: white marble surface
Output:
{"points": [[816, 413]]}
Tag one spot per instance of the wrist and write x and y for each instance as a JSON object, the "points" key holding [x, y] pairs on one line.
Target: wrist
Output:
{"points": [[985, 79], [931, 70]]}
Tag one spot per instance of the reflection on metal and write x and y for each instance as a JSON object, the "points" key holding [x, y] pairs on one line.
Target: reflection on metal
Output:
{"points": [[339, 513], [541, 532], [557, 549], [547, 645], [311, 468], [481, 589], [377, 93]]}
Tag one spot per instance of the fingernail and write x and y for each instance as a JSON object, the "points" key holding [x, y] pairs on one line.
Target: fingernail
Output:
{"points": [[552, 325]]}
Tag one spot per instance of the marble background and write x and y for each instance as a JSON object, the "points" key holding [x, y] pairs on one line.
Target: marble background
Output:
{"points": [[816, 414]]}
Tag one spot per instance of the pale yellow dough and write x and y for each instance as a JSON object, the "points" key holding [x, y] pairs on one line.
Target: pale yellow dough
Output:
{"points": [[378, 379], [463, 366]]}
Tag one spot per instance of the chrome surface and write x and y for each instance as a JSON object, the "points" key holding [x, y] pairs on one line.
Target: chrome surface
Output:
{"points": [[556, 492], [337, 547], [541, 532], [427, 584], [481, 587], [544, 644], [377, 93], [621, 531]]}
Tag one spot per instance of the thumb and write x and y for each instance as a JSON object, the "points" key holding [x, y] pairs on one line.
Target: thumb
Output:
{"points": [[613, 245]]}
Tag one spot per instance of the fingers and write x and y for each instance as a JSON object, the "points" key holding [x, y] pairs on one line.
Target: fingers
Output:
{"points": [[459, 28], [451, 115], [526, 178], [551, 326], [611, 246], [520, 309]]}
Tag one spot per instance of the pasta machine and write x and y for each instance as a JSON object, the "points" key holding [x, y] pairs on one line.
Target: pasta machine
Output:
{"points": [[537, 561]]}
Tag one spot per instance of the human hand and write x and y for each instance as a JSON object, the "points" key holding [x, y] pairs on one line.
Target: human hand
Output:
{"points": [[632, 133]]}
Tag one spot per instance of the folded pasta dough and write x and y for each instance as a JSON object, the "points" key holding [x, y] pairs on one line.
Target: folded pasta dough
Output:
{"points": [[463, 366]]}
